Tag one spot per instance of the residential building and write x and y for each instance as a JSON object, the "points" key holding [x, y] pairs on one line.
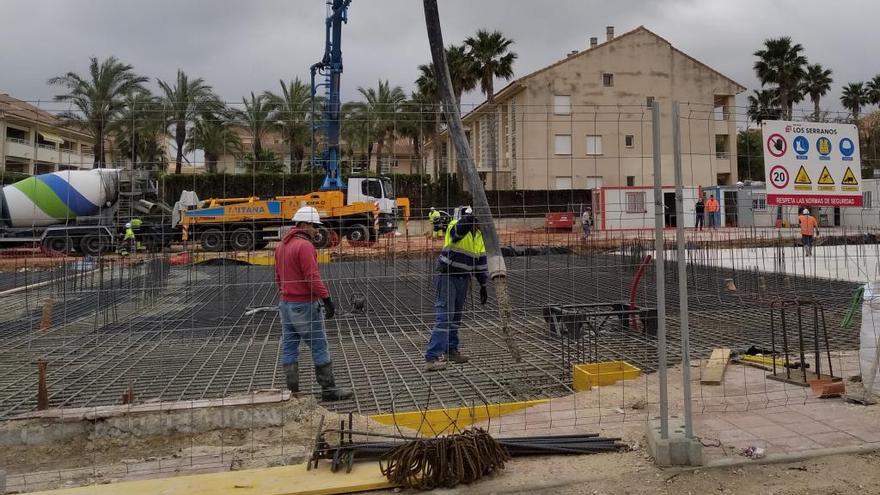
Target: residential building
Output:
{"points": [[585, 121], [34, 142]]}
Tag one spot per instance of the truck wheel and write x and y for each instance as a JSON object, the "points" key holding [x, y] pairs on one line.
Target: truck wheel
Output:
{"points": [[242, 239], [212, 240], [92, 245], [56, 245], [322, 238], [357, 233]]}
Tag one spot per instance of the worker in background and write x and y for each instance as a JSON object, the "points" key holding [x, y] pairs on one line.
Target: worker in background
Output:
{"points": [[463, 256], [587, 222], [712, 208], [699, 212], [434, 218], [129, 244], [809, 230], [302, 294]]}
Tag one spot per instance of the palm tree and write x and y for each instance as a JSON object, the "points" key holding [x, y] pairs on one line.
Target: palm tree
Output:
{"points": [[256, 117], [874, 90], [215, 136], [292, 112], [186, 99], [356, 131], [97, 99], [854, 97], [427, 88], [493, 58], [463, 70], [781, 63], [764, 105], [381, 107], [416, 123], [817, 83], [139, 132]]}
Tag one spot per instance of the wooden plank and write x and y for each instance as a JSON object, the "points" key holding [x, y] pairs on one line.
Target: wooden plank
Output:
{"points": [[712, 369], [285, 480]]}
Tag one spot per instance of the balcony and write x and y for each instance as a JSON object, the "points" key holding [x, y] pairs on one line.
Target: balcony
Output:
{"points": [[21, 149]]}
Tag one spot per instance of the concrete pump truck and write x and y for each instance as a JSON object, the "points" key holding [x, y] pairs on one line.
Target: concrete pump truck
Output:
{"points": [[360, 210]]}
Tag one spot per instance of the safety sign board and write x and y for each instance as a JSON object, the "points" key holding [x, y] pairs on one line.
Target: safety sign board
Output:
{"points": [[827, 153]]}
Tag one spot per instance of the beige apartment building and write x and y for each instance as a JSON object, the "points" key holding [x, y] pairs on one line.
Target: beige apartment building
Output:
{"points": [[33, 142], [584, 122]]}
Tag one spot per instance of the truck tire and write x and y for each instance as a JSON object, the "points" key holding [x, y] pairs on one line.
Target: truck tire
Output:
{"points": [[56, 245], [322, 238], [92, 244], [241, 239], [212, 240], [357, 233]]}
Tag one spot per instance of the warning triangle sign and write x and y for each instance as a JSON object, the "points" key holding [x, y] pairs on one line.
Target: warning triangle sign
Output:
{"points": [[825, 177], [849, 178], [802, 177]]}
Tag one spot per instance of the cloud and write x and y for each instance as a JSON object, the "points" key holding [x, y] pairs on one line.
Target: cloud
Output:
{"points": [[239, 47]]}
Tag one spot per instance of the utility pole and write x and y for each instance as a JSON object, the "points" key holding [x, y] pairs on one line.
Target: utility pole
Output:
{"points": [[497, 268]]}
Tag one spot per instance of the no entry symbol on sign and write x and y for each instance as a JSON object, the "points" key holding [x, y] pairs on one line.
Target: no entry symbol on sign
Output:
{"points": [[779, 177], [776, 145]]}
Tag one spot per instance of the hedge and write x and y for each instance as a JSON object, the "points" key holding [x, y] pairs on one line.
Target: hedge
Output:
{"points": [[445, 193]]}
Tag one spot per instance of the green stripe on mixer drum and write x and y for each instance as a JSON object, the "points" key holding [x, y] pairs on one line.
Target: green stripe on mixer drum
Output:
{"points": [[44, 198]]}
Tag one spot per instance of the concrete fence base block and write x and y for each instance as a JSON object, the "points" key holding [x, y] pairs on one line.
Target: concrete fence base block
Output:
{"points": [[677, 450]]}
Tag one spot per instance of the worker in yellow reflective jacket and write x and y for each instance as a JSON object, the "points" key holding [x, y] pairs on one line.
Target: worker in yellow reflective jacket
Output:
{"points": [[463, 256]]}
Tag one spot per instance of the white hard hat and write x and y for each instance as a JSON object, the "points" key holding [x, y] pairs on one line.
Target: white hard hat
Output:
{"points": [[432, 208], [307, 214], [806, 211], [128, 225], [468, 210]]}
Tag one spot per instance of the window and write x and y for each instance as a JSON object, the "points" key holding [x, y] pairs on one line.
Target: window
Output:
{"points": [[563, 183], [563, 144], [562, 104], [635, 202], [649, 102], [629, 140], [371, 188], [866, 199], [607, 80], [68, 145], [594, 145], [759, 202], [630, 180]]}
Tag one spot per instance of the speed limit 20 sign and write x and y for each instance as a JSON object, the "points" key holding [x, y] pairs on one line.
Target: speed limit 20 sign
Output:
{"points": [[779, 177]]}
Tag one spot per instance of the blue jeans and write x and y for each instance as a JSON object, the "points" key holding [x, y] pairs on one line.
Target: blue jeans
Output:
{"points": [[303, 321], [452, 291]]}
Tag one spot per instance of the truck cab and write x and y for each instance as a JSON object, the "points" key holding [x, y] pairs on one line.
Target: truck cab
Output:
{"points": [[362, 189]]}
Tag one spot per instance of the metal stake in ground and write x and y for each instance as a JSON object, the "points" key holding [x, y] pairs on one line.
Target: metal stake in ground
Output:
{"points": [[681, 260], [497, 269], [660, 278]]}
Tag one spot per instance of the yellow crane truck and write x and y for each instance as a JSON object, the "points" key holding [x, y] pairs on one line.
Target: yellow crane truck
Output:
{"points": [[367, 209]]}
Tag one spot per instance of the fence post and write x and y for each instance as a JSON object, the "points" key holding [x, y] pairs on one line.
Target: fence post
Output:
{"points": [[681, 262], [659, 260]]}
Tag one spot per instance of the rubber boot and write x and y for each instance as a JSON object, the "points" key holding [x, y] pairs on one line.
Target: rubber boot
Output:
{"points": [[329, 390], [291, 374]]}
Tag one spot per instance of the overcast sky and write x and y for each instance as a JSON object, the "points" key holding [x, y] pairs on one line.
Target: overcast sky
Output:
{"points": [[242, 46]]}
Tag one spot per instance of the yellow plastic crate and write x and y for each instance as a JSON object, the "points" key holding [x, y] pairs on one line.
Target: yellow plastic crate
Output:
{"points": [[589, 375]]}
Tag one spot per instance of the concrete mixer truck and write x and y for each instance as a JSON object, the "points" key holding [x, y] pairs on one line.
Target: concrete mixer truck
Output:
{"points": [[71, 212]]}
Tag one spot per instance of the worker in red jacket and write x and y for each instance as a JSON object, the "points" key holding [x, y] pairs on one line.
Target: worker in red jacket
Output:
{"points": [[302, 294]]}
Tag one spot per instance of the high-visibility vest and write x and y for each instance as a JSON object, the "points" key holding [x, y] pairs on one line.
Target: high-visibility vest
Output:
{"points": [[129, 234], [433, 215], [468, 255]]}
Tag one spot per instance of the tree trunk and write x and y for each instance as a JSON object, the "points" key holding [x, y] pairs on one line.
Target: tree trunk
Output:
{"points": [[98, 150], [180, 140], [438, 150], [816, 109], [491, 144], [497, 269]]}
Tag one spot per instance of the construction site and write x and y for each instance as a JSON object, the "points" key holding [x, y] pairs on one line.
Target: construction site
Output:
{"points": [[508, 306]]}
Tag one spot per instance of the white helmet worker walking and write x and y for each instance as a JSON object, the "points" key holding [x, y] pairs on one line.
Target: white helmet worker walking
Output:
{"points": [[307, 214]]}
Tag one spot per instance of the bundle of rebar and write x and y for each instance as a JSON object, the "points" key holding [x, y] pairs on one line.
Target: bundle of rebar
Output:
{"points": [[426, 463]]}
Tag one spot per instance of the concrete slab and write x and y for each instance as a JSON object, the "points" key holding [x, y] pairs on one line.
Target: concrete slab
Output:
{"points": [[676, 449]]}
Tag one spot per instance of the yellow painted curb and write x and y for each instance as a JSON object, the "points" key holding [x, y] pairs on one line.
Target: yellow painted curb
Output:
{"points": [[438, 422], [284, 480]]}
